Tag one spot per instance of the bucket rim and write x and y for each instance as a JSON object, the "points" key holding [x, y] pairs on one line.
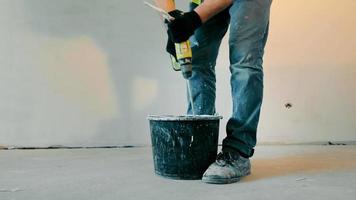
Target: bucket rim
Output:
{"points": [[183, 117]]}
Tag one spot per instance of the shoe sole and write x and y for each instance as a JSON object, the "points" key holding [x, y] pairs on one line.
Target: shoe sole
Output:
{"points": [[222, 180]]}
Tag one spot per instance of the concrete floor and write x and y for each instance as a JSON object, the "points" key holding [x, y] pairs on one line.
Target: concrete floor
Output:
{"points": [[279, 172]]}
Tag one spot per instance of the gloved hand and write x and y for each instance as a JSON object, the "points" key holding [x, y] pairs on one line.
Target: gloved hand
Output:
{"points": [[183, 26], [170, 48]]}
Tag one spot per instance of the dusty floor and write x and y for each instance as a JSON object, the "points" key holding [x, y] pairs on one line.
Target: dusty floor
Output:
{"points": [[279, 172]]}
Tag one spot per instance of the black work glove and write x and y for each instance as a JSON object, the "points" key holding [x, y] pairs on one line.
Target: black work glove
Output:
{"points": [[183, 26], [170, 48]]}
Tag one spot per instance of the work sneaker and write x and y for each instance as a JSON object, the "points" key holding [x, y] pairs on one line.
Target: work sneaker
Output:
{"points": [[229, 167]]}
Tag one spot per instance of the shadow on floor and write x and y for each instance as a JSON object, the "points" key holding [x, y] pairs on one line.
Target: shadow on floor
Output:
{"points": [[311, 162]]}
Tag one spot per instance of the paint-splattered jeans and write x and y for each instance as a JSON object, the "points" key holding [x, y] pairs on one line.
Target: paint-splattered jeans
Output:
{"points": [[248, 20]]}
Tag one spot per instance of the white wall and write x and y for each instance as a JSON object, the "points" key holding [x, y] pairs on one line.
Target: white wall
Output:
{"points": [[88, 72]]}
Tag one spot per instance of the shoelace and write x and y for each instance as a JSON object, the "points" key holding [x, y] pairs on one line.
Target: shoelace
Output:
{"points": [[224, 158]]}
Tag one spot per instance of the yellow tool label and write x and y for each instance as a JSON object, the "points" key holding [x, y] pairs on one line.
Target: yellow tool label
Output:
{"points": [[183, 50], [198, 2]]}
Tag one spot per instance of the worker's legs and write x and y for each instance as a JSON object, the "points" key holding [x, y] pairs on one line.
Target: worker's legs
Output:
{"points": [[205, 46], [248, 35]]}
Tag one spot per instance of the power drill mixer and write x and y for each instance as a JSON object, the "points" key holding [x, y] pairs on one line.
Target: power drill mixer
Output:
{"points": [[183, 53]]}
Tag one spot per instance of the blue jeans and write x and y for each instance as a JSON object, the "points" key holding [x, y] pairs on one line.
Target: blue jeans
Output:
{"points": [[248, 20]]}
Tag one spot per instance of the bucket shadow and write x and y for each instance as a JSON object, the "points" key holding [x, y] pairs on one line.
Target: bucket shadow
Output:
{"points": [[301, 163]]}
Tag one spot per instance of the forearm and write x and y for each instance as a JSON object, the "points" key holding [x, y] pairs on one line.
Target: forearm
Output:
{"points": [[209, 8]]}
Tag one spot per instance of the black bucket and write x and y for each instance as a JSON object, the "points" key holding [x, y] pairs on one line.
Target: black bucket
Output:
{"points": [[184, 146]]}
